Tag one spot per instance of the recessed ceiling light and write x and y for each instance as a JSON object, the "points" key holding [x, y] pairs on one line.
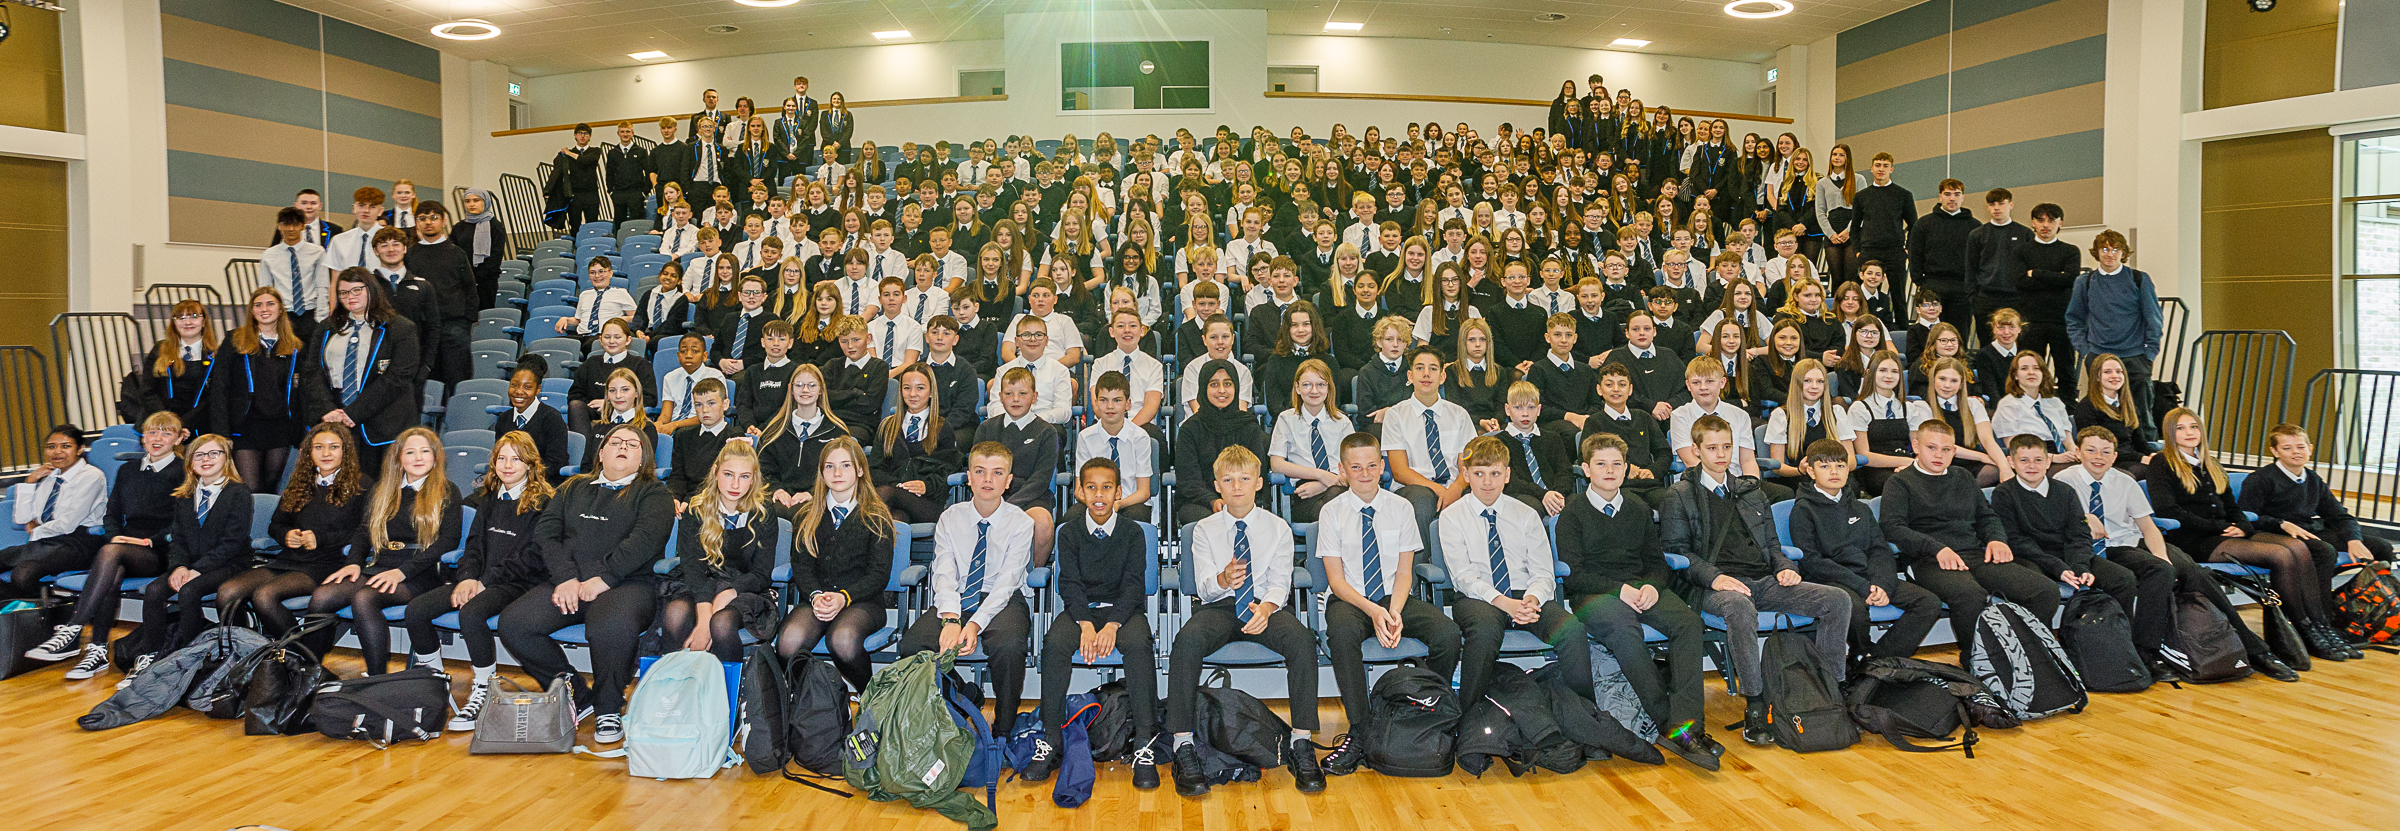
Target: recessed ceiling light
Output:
{"points": [[1340, 26], [767, 4], [1758, 9], [722, 29], [468, 29], [1629, 43], [651, 55], [893, 34], [1549, 17]]}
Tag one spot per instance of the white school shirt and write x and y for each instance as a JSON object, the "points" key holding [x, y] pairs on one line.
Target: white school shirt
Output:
{"points": [[1236, 259], [905, 335], [1396, 538], [1063, 334], [1134, 454], [869, 298], [954, 270], [678, 241], [353, 248], [298, 271], [675, 389], [1270, 540], [1424, 328], [2122, 502], [82, 493], [1053, 391], [1404, 429], [1366, 236], [1008, 547], [1833, 420], [921, 305], [2017, 415], [614, 303], [1188, 387], [971, 173], [1143, 374], [1555, 301], [1292, 429], [1761, 323], [1679, 425], [1524, 543]]}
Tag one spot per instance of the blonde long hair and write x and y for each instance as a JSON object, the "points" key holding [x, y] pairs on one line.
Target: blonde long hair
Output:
{"points": [[427, 518], [191, 473], [245, 337], [2174, 456], [870, 506], [709, 504]]}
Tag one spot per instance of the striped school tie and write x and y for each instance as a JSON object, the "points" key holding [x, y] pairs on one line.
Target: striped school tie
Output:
{"points": [[1500, 581], [969, 603], [1370, 556], [1243, 595]]}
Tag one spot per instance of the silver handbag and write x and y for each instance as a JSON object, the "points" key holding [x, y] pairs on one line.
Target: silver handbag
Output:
{"points": [[518, 720]]}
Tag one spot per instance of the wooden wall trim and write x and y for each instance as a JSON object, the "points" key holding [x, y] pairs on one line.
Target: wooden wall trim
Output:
{"points": [[855, 105], [1506, 102]]}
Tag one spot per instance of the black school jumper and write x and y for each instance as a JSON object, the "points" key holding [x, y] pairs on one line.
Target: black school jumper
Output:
{"points": [[501, 556], [141, 506], [2048, 531], [587, 531], [907, 461], [1607, 553], [1845, 549], [1924, 513], [1100, 581], [1656, 379], [334, 524], [548, 429], [745, 565], [217, 546], [853, 560], [1645, 437], [1035, 449]]}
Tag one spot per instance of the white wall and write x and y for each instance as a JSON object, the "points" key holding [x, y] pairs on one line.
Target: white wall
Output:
{"points": [[1457, 67]]}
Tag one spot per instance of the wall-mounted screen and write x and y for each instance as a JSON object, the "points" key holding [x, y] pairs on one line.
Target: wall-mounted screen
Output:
{"points": [[1134, 75]]}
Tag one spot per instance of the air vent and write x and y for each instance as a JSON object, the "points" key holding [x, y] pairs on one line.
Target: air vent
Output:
{"points": [[722, 29], [1550, 17]]}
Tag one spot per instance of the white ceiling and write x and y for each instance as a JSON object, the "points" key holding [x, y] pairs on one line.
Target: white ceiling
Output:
{"points": [[545, 37]]}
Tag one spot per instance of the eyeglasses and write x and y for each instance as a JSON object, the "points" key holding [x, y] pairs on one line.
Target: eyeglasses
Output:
{"points": [[623, 444], [352, 291], [183, 317], [197, 455]]}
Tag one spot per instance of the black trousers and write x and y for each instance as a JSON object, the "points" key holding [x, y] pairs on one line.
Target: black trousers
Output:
{"points": [[2045, 333], [1919, 610], [2153, 612], [1965, 591], [27, 564], [1481, 626], [1005, 645], [1213, 625], [629, 205], [1672, 700], [611, 622], [1426, 505], [473, 620], [1134, 642], [1347, 630], [187, 605], [582, 208]]}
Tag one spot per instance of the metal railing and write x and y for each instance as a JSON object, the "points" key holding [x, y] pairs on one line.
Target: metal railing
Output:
{"points": [[2349, 414], [92, 353], [2174, 344], [521, 207], [158, 303], [30, 399], [241, 278], [2239, 381]]}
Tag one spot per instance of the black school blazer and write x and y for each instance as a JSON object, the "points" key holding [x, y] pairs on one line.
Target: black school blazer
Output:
{"points": [[381, 408]]}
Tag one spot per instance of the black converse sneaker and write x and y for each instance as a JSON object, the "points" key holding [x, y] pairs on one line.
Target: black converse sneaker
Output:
{"points": [[609, 728], [464, 720], [62, 644], [95, 661]]}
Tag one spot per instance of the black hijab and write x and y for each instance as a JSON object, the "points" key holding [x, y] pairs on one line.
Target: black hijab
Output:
{"points": [[1220, 427]]}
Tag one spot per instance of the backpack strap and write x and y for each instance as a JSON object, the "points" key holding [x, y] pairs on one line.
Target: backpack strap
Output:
{"points": [[1966, 742], [805, 778]]}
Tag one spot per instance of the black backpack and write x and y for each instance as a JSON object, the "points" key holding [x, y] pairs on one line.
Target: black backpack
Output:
{"points": [[279, 683], [1804, 705], [1241, 725], [25, 627], [2099, 639], [2203, 646], [761, 736], [1514, 724], [2022, 665], [1412, 723], [1113, 728], [1905, 698], [413, 703], [816, 716]]}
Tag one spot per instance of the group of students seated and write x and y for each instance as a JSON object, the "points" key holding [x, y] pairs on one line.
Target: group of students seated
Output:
{"points": [[1512, 394]]}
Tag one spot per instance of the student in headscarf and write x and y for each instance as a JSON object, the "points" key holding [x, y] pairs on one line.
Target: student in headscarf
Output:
{"points": [[486, 242], [1220, 423]]}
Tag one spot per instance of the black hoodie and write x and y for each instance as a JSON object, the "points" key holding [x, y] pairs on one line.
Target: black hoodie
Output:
{"points": [[1844, 544]]}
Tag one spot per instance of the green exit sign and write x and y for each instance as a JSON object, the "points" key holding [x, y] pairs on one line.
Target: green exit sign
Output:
{"points": [[514, 89]]}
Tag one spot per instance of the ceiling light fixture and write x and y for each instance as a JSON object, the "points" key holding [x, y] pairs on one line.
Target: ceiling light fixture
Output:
{"points": [[468, 29], [1629, 43], [1340, 26], [1758, 9], [651, 55], [767, 4], [892, 34]]}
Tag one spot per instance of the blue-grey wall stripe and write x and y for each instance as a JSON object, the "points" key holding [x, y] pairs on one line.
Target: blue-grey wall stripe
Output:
{"points": [[233, 93], [2070, 64], [224, 179], [298, 27], [2042, 161], [1920, 23]]}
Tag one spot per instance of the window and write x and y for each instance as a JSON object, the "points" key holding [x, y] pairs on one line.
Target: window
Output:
{"points": [[1142, 75], [982, 82], [2370, 285]]}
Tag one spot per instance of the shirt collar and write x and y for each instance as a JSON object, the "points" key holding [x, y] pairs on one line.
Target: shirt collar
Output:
{"points": [[412, 484], [2043, 488], [713, 429], [1018, 423], [513, 491], [1613, 412], [1606, 506], [1097, 528], [158, 464], [1833, 496], [615, 483], [1527, 432], [326, 479], [1711, 482]]}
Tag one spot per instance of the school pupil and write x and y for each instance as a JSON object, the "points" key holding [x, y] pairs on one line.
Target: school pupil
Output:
{"points": [[918, 450], [1104, 609], [528, 413], [1369, 568], [1879, 425], [208, 542], [1382, 380], [1131, 453], [412, 518], [589, 394], [2032, 408], [1502, 568], [1738, 566], [1477, 380], [1033, 444], [601, 535], [1657, 371], [2046, 529], [2119, 512], [1842, 546], [140, 513], [855, 385], [2109, 404], [725, 558], [1541, 468], [1301, 337], [1947, 396], [2188, 485], [256, 403], [178, 372], [500, 563], [1054, 385], [790, 444], [982, 550], [677, 388], [295, 268], [2113, 310], [1240, 555], [739, 327], [1142, 370], [1217, 336], [760, 388], [313, 523], [1953, 542], [894, 337], [62, 506], [956, 384], [2300, 503]]}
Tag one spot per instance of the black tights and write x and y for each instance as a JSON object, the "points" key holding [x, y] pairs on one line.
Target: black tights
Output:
{"points": [[263, 469], [845, 636], [366, 604], [910, 508], [117, 561], [724, 628], [2297, 569], [263, 591]]}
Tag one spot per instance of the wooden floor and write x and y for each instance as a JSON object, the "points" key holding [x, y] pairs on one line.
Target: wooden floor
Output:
{"points": [[2251, 754]]}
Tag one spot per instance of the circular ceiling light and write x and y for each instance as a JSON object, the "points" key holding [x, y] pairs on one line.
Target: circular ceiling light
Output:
{"points": [[1758, 9], [767, 4], [722, 29], [468, 29], [1549, 17]]}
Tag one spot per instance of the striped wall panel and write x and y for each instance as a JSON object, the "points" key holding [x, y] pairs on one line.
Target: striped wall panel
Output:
{"points": [[265, 99], [1994, 93]]}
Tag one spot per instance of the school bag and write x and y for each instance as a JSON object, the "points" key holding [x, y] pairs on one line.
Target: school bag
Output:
{"points": [[2274, 624], [1584, 723], [2368, 607], [1113, 726], [793, 712], [677, 725], [1411, 723], [1241, 725], [279, 682], [2203, 647], [168, 681], [2022, 665], [1804, 705], [24, 624], [384, 709], [1616, 697], [1907, 698], [1072, 773], [1516, 727], [519, 720], [760, 739], [2099, 639], [905, 743]]}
